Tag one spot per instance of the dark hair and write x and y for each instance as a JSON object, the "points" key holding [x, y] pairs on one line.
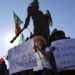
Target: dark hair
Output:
{"points": [[59, 33]]}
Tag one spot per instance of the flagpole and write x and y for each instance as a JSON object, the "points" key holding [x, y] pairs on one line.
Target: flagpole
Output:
{"points": [[14, 38]]}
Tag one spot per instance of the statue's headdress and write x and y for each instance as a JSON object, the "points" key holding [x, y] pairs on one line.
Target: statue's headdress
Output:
{"points": [[35, 4]]}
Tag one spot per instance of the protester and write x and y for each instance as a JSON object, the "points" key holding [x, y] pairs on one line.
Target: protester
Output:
{"points": [[56, 35], [3, 67], [43, 64]]}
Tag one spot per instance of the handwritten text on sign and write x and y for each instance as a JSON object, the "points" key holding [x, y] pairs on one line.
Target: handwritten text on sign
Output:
{"points": [[21, 57], [64, 53]]}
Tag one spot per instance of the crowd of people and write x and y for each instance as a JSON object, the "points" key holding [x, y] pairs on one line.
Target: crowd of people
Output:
{"points": [[46, 64], [42, 38]]}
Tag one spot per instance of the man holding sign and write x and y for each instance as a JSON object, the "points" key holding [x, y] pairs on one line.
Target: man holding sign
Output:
{"points": [[56, 35]]}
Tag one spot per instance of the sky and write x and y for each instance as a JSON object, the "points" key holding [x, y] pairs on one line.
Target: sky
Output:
{"points": [[62, 12]]}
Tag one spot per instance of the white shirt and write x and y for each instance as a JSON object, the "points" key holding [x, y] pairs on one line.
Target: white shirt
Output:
{"points": [[41, 61]]}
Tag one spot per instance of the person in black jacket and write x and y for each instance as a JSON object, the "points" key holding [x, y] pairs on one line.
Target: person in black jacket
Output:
{"points": [[56, 35], [3, 67]]}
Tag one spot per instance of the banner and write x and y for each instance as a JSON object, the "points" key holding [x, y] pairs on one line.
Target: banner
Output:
{"points": [[22, 57], [64, 53]]}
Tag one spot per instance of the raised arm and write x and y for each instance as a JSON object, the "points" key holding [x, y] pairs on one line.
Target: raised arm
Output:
{"points": [[27, 18]]}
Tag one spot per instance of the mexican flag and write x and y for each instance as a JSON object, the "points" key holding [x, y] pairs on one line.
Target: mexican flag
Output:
{"points": [[18, 22], [1, 60]]}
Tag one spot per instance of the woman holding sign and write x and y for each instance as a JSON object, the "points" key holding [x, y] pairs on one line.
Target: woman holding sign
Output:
{"points": [[43, 64]]}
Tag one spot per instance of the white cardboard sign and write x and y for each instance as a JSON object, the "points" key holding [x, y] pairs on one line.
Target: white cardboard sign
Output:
{"points": [[64, 53], [22, 57]]}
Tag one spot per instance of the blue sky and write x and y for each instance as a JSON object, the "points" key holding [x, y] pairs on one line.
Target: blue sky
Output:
{"points": [[62, 11]]}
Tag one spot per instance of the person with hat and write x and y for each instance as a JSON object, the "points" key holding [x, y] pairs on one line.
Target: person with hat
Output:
{"points": [[41, 56]]}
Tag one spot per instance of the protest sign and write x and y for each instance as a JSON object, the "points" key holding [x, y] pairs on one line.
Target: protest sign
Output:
{"points": [[22, 57], [64, 53]]}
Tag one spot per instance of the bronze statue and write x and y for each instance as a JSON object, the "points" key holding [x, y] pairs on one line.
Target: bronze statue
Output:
{"points": [[40, 21]]}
